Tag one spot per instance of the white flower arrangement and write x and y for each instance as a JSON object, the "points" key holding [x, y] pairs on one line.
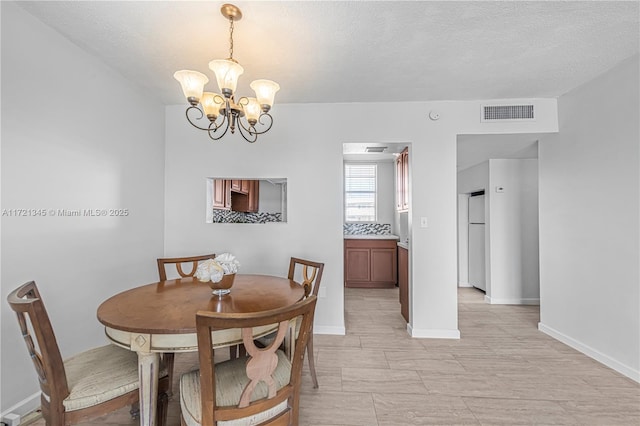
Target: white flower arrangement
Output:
{"points": [[215, 269]]}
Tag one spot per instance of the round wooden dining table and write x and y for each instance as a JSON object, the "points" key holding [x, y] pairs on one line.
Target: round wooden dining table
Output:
{"points": [[161, 317]]}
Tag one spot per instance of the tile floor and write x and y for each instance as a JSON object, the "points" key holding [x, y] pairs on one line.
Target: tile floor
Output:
{"points": [[503, 371]]}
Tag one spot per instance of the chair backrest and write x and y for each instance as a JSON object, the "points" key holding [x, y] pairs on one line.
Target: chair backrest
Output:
{"points": [[311, 274], [261, 364], [178, 262], [44, 352]]}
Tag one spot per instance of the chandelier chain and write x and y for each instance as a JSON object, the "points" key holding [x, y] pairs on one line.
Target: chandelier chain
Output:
{"points": [[230, 38]]}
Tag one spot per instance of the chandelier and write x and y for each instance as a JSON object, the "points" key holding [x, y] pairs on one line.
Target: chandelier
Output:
{"points": [[223, 111]]}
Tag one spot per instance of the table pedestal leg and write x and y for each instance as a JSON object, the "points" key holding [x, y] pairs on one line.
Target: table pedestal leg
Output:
{"points": [[148, 369]]}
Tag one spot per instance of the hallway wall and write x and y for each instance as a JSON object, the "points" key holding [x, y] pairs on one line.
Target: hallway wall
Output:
{"points": [[589, 228]]}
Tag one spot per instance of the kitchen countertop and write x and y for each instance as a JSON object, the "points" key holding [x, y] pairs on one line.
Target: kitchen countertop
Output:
{"points": [[403, 244], [371, 237]]}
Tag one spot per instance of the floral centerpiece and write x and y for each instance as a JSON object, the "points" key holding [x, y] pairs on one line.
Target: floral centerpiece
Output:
{"points": [[219, 273]]}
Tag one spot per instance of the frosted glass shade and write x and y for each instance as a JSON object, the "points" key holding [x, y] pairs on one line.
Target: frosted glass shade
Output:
{"points": [[265, 91], [209, 105], [227, 73], [252, 110], [192, 83]]}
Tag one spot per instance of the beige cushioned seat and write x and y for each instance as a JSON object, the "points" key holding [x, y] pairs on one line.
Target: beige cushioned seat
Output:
{"points": [[99, 375], [231, 380]]}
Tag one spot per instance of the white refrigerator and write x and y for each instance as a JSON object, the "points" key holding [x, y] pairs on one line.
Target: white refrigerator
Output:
{"points": [[476, 242]]}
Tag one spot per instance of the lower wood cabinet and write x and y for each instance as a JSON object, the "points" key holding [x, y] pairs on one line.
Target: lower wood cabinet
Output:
{"points": [[370, 263], [403, 281]]}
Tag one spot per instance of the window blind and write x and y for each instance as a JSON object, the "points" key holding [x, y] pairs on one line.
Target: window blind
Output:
{"points": [[360, 192]]}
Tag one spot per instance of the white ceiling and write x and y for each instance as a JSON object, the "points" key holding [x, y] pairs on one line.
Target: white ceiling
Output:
{"points": [[358, 151], [358, 51], [474, 149]]}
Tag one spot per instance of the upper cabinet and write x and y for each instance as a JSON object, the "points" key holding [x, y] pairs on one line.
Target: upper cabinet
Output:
{"points": [[241, 185], [402, 181], [221, 194], [239, 195], [246, 199]]}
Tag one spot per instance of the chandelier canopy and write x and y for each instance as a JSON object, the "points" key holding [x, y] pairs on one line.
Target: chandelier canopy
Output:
{"points": [[223, 111]]}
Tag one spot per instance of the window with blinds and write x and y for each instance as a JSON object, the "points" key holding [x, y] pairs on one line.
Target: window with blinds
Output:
{"points": [[360, 192]]}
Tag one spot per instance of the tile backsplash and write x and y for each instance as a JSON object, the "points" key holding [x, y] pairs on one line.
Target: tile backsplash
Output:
{"points": [[229, 216], [367, 228]]}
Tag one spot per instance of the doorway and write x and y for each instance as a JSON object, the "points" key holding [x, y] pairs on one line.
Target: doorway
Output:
{"points": [[390, 222], [498, 217]]}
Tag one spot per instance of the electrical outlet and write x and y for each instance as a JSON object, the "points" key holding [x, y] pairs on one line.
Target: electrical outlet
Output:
{"points": [[499, 189]]}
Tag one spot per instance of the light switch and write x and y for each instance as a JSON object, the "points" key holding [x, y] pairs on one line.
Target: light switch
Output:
{"points": [[499, 188], [423, 222]]}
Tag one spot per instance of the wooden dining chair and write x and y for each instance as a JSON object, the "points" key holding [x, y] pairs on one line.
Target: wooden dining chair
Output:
{"points": [[168, 358], [179, 262], [309, 274], [85, 386], [263, 388]]}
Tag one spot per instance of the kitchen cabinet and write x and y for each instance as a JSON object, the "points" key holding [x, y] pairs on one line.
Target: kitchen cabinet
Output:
{"points": [[247, 201], [240, 185], [402, 181], [403, 281], [236, 194], [221, 194], [370, 263]]}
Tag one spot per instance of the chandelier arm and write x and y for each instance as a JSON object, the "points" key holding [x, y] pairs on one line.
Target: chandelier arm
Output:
{"points": [[193, 107], [211, 131], [213, 125], [252, 136], [252, 129]]}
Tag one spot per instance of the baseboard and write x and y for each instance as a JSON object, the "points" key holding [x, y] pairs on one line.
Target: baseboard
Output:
{"points": [[592, 353], [433, 333], [324, 329], [24, 407], [461, 284], [495, 301]]}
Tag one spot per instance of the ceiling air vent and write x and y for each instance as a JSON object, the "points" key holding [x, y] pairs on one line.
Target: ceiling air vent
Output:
{"points": [[507, 113], [375, 149]]}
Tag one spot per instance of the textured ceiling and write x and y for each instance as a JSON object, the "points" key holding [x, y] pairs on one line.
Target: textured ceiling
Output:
{"points": [[359, 51], [363, 51]]}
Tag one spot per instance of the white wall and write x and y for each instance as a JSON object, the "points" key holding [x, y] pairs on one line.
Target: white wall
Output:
{"points": [[387, 193], [589, 232], [474, 179], [513, 232], [100, 148], [463, 240], [314, 192], [270, 197], [312, 162]]}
